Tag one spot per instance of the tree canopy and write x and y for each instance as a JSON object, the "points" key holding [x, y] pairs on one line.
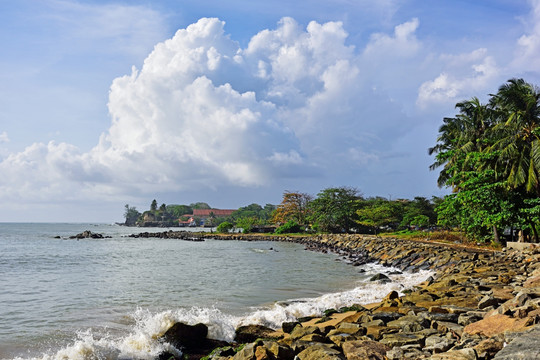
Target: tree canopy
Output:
{"points": [[489, 155]]}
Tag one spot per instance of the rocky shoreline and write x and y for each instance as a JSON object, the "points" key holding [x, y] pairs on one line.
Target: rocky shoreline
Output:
{"points": [[481, 304]]}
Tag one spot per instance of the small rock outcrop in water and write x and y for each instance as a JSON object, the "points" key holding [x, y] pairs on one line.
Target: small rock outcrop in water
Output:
{"points": [[89, 235], [480, 305]]}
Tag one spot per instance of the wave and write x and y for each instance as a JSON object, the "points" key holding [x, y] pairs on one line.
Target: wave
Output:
{"points": [[142, 341]]}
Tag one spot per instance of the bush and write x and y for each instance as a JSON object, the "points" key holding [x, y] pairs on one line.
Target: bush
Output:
{"points": [[224, 227], [290, 226]]}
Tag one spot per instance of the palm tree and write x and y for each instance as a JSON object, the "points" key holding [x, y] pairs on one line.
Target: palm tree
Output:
{"points": [[459, 137], [517, 105]]}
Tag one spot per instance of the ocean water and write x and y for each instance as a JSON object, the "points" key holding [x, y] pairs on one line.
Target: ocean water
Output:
{"points": [[112, 298]]}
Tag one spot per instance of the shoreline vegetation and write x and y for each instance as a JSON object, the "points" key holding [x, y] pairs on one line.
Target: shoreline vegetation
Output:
{"points": [[480, 304]]}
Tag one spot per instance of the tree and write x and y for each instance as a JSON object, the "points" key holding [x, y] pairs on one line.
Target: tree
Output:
{"points": [[224, 227], [178, 210], [131, 215], [518, 134], [490, 156], [153, 206], [246, 224], [254, 211], [334, 209], [294, 206], [380, 213], [419, 206], [459, 136], [200, 205]]}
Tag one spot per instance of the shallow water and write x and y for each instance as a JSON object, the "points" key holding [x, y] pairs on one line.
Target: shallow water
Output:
{"points": [[111, 298]]}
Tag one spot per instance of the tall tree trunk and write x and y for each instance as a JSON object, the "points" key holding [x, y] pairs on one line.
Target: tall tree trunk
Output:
{"points": [[496, 238], [535, 233]]}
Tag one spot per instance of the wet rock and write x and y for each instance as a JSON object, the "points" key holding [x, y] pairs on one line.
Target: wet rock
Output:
{"points": [[250, 333], [87, 234], [380, 277], [287, 327], [183, 336]]}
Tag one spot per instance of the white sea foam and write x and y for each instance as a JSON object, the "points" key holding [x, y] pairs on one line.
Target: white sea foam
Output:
{"points": [[143, 340]]}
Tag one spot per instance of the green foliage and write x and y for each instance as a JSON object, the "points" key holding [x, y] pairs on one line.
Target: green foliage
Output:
{"points": [[256, 211], [153, 205], [246, 224], [179, 210], [379, 213], [200, 205], [131, 215], [289, 227], [490, 156], [334, 210], [224, 227]]}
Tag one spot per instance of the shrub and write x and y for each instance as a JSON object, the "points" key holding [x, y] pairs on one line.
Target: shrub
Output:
{"points": [[224, 227], [290, 226]]}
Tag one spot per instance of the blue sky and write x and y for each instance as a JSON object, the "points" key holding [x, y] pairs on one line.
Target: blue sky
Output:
{"points": [[104, 103]]}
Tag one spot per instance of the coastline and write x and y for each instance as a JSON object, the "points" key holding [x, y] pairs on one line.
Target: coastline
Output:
{"points": [[480, 304]]}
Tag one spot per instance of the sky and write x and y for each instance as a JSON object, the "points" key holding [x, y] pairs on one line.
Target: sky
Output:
{"points": [[107, 103]]}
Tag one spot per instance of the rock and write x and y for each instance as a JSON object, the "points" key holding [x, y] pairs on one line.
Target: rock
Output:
{"points": [[250, 333], [400, 339], [247, 353], [386, 316], [463, 354], [496, 324], [279, 351], [470, 317], [445, 327], [318, 338], [380, 277], [410, 323], [395, 354], [301, 331], [437, 344], [364, 350], [488, 301], [183, 336], [319, 352], [532, 282], [525, 346], [488, 348], [287, 327], [87, 234]]}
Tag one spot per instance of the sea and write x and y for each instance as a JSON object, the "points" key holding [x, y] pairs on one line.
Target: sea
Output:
{"points": [[112, 298]]}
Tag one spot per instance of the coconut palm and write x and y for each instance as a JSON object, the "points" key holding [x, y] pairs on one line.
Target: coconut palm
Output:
{"points": [[459, 137], [517, 107]]}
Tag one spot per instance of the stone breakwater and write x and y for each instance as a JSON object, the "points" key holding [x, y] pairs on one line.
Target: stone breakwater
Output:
{"points": [[480, 304]]}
